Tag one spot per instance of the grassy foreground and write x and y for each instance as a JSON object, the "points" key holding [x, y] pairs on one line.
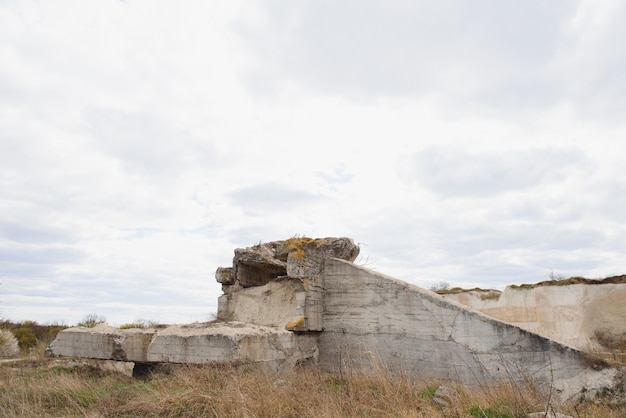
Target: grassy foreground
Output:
{"points": [[48, 387]]}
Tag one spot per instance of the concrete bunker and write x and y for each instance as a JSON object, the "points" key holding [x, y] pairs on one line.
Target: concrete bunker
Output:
{"points": [[303, 300]]}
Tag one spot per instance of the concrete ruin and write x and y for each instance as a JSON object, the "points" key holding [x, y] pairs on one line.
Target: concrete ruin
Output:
{"points": [[586, 314], [303, 300]]}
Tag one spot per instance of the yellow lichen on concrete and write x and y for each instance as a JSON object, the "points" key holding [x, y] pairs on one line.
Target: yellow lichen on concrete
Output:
{"points": [[292, 325], [295, 246]]}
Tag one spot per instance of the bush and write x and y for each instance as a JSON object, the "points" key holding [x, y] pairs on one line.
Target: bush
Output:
{"points": [[140, 323], [9, 346], [26, 338], [91, 320], [442, 287]]}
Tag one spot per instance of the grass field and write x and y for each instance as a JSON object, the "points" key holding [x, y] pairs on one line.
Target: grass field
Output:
{"points": [[40, 387]]}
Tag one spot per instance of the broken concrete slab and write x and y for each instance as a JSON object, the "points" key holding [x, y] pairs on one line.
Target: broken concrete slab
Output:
{"points": [[225, 276], [230, 342], [200, 343], [103, 342]]}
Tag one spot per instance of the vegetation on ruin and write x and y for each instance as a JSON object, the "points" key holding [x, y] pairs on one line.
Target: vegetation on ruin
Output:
{"points": [[55, 387], [141, 323], [561, 281], [295, 246], [91, 320], [444, 288]]}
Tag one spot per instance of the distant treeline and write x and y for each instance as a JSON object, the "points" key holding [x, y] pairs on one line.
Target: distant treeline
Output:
{"points": [[30, 333]]}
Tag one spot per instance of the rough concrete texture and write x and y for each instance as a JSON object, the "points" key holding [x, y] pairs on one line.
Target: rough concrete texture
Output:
{"points": [[195, 343], [374, 321], [292, 301], [279, 283], [573, 314], [231, 342], [273, 304], [104, 342]]}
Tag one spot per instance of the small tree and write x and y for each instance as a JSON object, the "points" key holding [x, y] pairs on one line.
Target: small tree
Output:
{"points": [[91, 320], [440, 287]]}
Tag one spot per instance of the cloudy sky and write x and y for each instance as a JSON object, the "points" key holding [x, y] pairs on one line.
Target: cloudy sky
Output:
{"points": [[477, 143]]}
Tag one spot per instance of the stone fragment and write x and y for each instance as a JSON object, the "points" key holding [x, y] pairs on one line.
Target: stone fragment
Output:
{"points": [[550, 414], [445, 397], [225, 276]]}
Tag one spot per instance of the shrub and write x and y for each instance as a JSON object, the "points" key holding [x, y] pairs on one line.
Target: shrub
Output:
{"points": [[25, 336], [491, 295], [442, 287], [140, 323], [91, 320], [9, 346]]}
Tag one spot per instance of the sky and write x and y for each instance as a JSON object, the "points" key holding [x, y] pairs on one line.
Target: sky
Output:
{"points": [[473, 143]]}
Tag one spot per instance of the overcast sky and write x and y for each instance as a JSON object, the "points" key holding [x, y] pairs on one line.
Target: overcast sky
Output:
{"points": [[478, 143]]}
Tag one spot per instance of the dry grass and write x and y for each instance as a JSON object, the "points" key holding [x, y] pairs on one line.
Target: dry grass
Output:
{"points": [[71, 389]]}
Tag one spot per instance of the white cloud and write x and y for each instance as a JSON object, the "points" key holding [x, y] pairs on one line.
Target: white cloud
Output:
{"points": [[451, 172], [142, 141]]}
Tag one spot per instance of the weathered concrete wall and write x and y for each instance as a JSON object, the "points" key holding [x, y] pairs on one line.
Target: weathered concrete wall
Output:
{"points": [[273, 304], [371, 320], [571, 314]]}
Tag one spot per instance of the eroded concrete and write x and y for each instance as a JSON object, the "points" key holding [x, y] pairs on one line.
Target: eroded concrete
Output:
{"points": [[374, 321], [575, 315], [212, 342], [294, 301]]}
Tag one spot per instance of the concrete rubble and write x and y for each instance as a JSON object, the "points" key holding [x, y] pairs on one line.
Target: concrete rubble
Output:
{"points": [[303, 300]]}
